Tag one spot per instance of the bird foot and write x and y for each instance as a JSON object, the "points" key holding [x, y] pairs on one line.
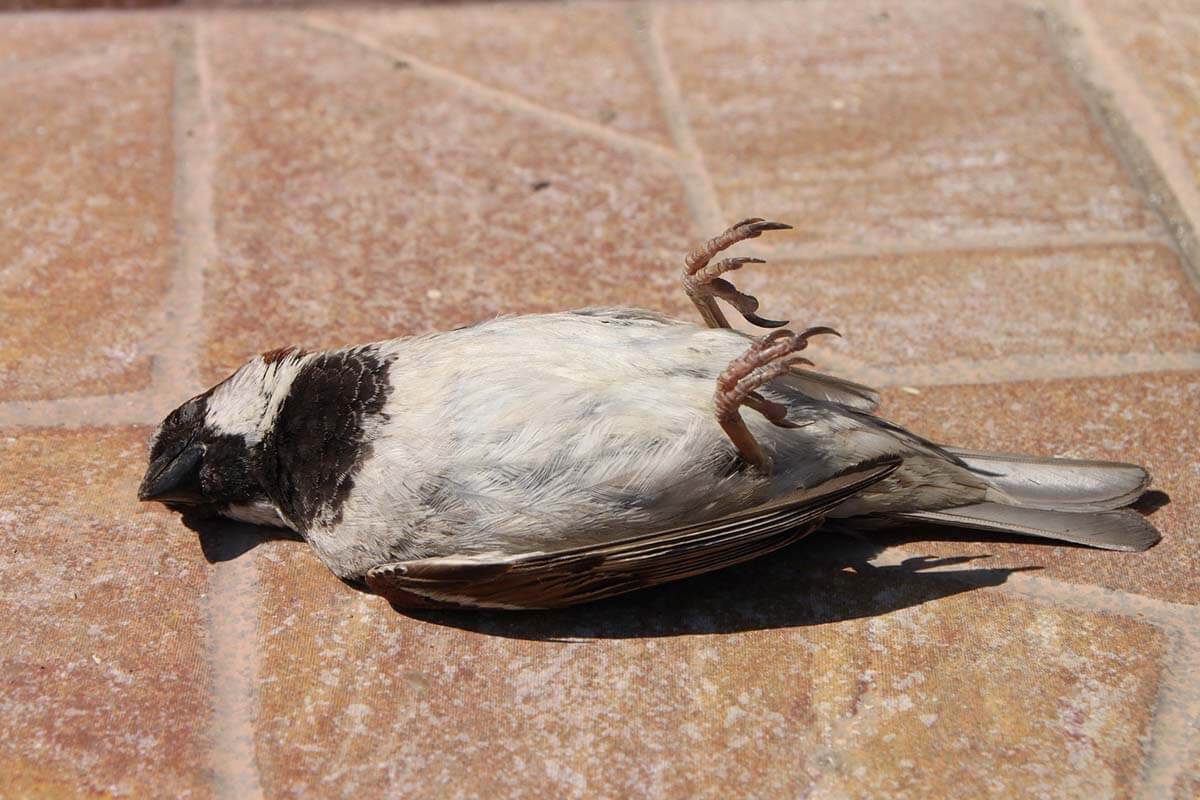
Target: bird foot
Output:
{"points": [[765, 360], [703, 282]]}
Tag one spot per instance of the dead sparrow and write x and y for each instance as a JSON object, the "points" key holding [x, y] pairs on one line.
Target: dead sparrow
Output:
{"points": [[546, 460]]}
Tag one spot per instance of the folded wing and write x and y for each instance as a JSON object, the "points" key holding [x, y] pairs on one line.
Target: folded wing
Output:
{"points": [[581, 574]]}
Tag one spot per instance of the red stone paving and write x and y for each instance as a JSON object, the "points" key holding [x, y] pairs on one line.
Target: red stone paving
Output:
{"points": [[86, 229], [988, 304], [921, 121], [1161, 43], [185, 187], [606, 84], [357, 201], [102, 642]]}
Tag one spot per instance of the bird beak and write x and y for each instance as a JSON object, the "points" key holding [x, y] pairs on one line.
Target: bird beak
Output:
{"points": [[174, 480]]}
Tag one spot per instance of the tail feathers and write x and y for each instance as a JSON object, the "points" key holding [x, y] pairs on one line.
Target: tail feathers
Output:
{"points": [[1058, 483], [1109, 530]]}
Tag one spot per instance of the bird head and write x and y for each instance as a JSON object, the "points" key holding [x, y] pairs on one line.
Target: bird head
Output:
{"points": [[206, 455]]}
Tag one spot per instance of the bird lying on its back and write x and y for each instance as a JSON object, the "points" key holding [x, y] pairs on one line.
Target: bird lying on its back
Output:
{"points": [[550, 459]]}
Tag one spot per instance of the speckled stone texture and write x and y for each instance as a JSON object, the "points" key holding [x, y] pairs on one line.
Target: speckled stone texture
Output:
{"points": [[989, 304], [604, 79], [358, 201], [184, 188], [85, 232], [782, 678], [102, 639], [922, 121]]}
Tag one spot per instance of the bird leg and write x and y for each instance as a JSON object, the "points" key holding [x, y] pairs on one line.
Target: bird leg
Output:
{"points": [[766, 359], [703, 282]]}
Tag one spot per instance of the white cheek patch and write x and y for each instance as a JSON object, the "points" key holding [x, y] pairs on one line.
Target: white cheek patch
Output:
{"points": [[248, 402]]}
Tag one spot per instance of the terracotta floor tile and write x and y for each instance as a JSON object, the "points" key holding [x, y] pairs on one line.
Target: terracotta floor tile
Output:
{"points": [[1160, 42], [86, 229], [783, 677], [919, 121], [102, 649], [578, 58], [357, 201], [44, 36], [932, 307], [1153, 420]]}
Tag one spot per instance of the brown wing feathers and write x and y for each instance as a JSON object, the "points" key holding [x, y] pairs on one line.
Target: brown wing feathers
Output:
{"points": [[567, 577]]}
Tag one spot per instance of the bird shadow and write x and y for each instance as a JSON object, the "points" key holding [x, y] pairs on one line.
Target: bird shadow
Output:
{"points": [[224, 539], [1151, 501], [825, 578]]}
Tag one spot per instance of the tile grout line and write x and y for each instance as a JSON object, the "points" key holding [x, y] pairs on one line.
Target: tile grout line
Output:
{"points": [[1175, 716], [1016, 369], [498, 97], [698, 187], [175, 372], [1132, 124], [1175, 724], [231, 600], [133, 408], [835, 251]]}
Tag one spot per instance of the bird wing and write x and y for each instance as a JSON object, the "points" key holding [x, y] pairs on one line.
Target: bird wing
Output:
{"points": [[581, 574]]}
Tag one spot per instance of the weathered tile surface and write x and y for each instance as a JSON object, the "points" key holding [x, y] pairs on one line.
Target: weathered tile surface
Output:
{"points": [[1187, 785], [918, 121], [356, 201], [1160, 43], [577, 58], [1152, 420], [85, 222], [931, 307], [42, 37], [358, 197], [779, 678], [105, 684]]}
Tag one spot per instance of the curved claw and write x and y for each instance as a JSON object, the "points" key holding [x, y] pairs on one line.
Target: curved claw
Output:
{"points": [[819, 330], [746, 304], [776, 413], [775, 336], [757, 225], [763, 322]]}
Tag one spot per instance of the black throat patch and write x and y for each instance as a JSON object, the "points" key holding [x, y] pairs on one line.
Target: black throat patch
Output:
{"points": [[317, 444]]}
